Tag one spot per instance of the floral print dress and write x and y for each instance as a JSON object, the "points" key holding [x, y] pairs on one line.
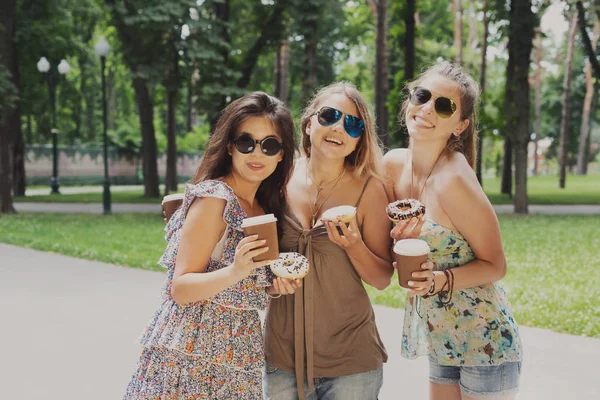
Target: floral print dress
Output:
{"points": [[211, 349], [476, 328]]}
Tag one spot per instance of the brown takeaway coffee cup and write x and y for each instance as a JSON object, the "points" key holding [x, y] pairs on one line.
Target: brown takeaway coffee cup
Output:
{"points": [[265, 226], [171, 203], [409, 254]]}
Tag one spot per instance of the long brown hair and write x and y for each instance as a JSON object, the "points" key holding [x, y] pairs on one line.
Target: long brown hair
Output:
{"points": [[366, 159], [466, 142], [217, 163]]}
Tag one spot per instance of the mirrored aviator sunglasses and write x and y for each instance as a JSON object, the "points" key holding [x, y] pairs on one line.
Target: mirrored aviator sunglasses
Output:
{"points": [[328, 116], [246, 144], [443, 106]]}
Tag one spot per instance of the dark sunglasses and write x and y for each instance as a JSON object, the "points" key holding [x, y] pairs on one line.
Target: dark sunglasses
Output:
{"points": [[328, 116], [246, 144], [444, 107]]}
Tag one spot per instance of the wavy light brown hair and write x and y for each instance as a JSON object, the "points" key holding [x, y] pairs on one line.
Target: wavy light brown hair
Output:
{"points": [[365, 160], [217, 163], [466, 142]]}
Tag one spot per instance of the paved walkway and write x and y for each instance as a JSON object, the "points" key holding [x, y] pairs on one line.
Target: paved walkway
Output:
{"points": [[88, 189], [93, 208], [69, 325]]}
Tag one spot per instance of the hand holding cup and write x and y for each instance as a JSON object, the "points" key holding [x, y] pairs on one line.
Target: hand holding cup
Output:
{"points": [[247, 249], [409, 256]]}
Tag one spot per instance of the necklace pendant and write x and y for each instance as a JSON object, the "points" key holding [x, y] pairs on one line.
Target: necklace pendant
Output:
{"points": [[312, 223]]}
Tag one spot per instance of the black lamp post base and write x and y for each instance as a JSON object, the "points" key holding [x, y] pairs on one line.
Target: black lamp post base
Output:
{"points": [[55, 185]]}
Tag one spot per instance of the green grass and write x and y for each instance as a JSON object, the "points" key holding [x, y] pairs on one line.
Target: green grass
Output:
{"points": [[540, 189], [134, 240], [552, 280], [544, 190]]}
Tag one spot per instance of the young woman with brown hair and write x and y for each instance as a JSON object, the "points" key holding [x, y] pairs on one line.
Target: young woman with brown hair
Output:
{"points": [[205, 341]]}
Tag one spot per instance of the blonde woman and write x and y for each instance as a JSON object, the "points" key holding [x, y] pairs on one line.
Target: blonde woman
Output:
{"points": [[322, 342]]}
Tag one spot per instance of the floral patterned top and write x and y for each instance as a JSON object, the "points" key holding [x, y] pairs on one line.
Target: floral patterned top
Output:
{"points": [[221, 337], [476, 328]]}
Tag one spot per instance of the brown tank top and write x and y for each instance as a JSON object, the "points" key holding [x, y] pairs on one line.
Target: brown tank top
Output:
{"points": [[327, 328]]}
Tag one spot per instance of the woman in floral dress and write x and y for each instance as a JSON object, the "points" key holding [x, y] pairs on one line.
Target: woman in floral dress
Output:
{"points": [[464, 323], [205, 340]]}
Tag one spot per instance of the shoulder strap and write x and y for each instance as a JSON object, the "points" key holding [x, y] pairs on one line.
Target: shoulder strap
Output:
{"points": [[363, 192]]}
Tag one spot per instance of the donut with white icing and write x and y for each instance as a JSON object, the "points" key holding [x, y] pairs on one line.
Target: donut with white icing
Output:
{"points": [[290, 266], [405, 209], [339, 214]]}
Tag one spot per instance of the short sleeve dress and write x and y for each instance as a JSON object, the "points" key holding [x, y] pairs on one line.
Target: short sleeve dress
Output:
{"points": [[211, 349]]}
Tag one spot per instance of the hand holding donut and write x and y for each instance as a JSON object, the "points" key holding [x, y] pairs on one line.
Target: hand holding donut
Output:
{"points": [[248, 248], [409, 216], [284, 286]]}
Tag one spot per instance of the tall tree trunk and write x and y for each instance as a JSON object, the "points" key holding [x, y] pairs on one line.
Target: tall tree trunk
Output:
{"points": [[457, 11], [9, 118], [566, 101], [172, 86], [222, 15], [472, 37], [507, 164], [538, 98], [311, 40], [189, 105], [19, 145], [282, 68], [149, 155], [479, 168], [520, 43], [589, 139], [88, 96], [409, 53], [29, 132], [19, 180], [78, 109], [381, 72], [587, 44], [171, 178], [590, 91], [409, 40]]}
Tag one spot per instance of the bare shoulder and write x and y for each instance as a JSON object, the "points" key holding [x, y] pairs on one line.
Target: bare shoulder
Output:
{"points": [[374, 192], [208, 210], [456, 182], [393, 160]]}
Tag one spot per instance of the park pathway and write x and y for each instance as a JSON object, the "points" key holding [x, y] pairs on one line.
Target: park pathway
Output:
{"points": [[69, 325]]}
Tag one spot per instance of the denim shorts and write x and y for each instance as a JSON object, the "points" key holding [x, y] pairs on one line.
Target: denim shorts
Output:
{"points": [[481, 381], [279, 384]]}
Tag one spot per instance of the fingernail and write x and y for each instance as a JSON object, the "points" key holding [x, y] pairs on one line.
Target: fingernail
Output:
{"points": [[410, 283]]}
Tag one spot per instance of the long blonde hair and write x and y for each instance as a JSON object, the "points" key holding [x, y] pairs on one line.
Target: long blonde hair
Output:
{"points": [[466, 142], [365, 160]]}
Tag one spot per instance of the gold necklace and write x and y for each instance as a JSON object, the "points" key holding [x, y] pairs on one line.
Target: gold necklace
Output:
{"points": [[412, 176], [319, 187], [310, 205]]}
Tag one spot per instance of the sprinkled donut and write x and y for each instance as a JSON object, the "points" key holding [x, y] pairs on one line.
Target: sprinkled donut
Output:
{"points": [[405, 209], [290, 265]]}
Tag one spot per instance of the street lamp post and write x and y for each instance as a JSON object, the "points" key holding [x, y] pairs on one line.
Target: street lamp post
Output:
{"points": [[102, 48], [43, 66]]}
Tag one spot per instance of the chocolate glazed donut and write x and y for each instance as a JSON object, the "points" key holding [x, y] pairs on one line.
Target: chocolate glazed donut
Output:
{"points": [[405, 209]]}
